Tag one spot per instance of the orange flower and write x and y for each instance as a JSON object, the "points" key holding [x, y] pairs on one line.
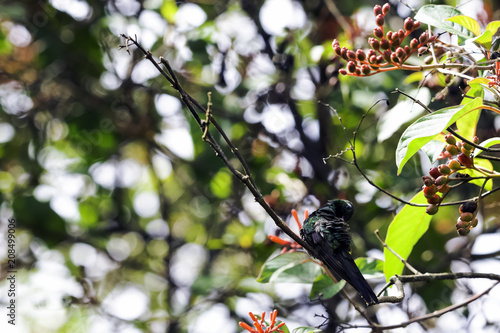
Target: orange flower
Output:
{"points": [[261, 326], [289, 246]]}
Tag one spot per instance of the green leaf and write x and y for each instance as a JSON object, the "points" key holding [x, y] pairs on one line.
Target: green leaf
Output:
{"points": [[427, 127], [323, 287], [486, 164], [370, 266], [477, 82], [484, 39], [404, 232], [307, 330], [493, 26], [467, 22], [487, 143], [291, 267], [436, 16], [467, 124], [413, 77]]}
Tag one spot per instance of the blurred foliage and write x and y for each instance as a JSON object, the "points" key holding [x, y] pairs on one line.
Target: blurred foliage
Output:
{"points": [[117, 199]]}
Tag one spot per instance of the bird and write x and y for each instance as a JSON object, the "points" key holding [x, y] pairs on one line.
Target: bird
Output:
{"points": [[327, 232]]}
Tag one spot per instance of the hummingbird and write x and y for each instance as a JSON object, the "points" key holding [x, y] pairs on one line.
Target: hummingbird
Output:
{"points": [[327, 232]]}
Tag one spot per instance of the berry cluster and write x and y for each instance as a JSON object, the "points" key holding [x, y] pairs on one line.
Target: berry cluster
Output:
{"points": [[387, 52], [436, 182], [467, 219]]}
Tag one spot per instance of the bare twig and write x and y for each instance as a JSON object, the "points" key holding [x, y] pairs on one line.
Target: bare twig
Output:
{"points": [[406, 263], [245, 177], [449, 129], [392, 299], [354, 161], [435, 313]]}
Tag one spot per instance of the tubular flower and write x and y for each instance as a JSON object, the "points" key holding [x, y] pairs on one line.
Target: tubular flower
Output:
{"points": [[261, 326], [289, 246]]}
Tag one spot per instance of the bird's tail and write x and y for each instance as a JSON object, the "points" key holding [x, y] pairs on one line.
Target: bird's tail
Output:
{"points": [[353, 276]]}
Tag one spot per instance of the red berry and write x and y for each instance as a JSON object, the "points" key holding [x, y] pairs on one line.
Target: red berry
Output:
{"points": [[414, 43], [444, 188], [342, 71], [365, 69], [343, 52], [408, 24], [379, 20], [434, 200], [400, 52], [428, 181], [375, 44], [387, 55], [462, 224], [361, 55], [465, 160], [351, 55], [401, 34], [429, 191], [384, 44], [463, 232], [377, 32], [385, 8], [434, 172], [423, 37], [351, 66], [377, 10], [416, 25]]}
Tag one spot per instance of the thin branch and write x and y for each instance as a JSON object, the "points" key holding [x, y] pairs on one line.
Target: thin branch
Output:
{"points": [[392, 299], [437, 313], [354, 161], [448, 276], [246, 178], [449, 129], [406, 263]]}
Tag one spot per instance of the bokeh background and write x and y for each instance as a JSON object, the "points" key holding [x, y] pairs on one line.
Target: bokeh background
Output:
{"points": [[128, 222]]}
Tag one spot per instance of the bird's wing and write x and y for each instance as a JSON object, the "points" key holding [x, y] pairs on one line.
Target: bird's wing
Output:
{"points": [[338, 259]]}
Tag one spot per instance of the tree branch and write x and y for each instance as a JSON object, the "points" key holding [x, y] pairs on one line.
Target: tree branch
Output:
{"points": [[246, 177]]}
